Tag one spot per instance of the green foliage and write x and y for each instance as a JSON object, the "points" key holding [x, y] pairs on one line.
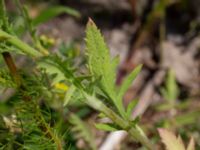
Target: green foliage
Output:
{"points": [[8, 40], [29, 127], [36, 133], [187, 118], [6, 79], [96, 89], [82, 87], [51, 69], [103, 67], [27, 21], [52, 12], [99, 61], [69, 94], [23, 47], [128, 81], [107, 127], [101, 84], [4, 24], [130, 107], [53, 81], [81, 130], [171, 91]]}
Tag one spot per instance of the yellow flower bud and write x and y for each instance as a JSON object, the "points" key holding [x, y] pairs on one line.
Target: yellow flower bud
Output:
{"points": [[61, 86]]}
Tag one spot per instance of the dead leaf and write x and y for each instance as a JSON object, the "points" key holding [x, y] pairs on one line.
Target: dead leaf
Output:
{"points": [[170, 140]]}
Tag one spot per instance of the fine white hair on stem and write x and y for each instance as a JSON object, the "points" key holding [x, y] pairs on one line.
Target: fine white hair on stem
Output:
{"points": [[115, 138]]}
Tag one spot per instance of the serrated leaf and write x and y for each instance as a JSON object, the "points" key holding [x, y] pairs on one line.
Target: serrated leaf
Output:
{"points": [[128, 81], [106, 127], [101, 64], [170, 140], [52, 69], [52, 12], [69, 94], [81, 130], [99, 60], [191, 145], [130, 107]]}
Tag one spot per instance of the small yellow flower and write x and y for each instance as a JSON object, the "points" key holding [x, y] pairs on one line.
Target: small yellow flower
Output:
{"points": [[43, 37], [47, 41], [51, 41], [61, 86]]}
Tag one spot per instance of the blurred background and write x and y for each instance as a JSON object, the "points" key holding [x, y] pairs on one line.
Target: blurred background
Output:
{"points": [[163, 35]]}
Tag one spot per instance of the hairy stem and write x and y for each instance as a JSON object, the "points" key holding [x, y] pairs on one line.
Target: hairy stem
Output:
{"points": [[138, 135], [25, 48], [134, 131]]}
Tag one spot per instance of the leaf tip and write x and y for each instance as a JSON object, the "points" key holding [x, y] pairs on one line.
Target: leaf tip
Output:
{"points": [[140, 66], [90, 22]]}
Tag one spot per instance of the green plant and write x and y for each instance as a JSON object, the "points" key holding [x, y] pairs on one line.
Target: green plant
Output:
{"points": [[178, 118], [96, 88], [82, 130], [171, 90]]}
